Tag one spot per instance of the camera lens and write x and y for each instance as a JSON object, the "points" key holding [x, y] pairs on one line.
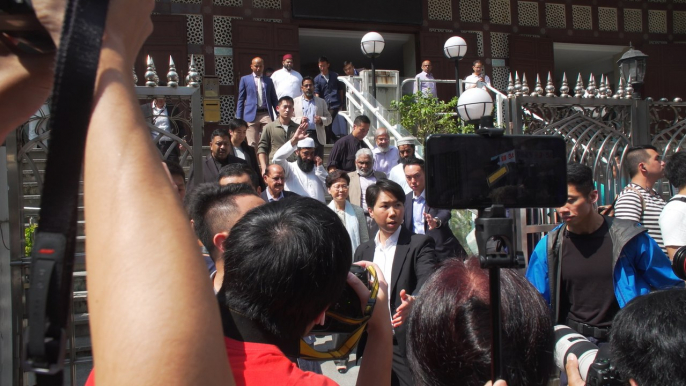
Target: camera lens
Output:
{"points": [[678, 263], [568, 341]]}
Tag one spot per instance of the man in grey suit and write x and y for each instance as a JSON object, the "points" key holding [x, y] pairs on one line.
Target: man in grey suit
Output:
{"points": [[317, 113], [360, 180]]}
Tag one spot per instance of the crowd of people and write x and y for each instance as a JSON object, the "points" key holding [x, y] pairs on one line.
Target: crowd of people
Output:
{"points": [[277, 256]]}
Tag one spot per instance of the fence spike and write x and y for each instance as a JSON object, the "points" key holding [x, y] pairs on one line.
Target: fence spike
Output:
{"points": [[564, 90], [152, 80], [172, 75], [579, 89], [525, 86], [550, 88]]}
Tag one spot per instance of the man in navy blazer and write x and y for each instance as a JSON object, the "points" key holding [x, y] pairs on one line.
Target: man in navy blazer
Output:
{"points": [[421, 219], [256, 108]]}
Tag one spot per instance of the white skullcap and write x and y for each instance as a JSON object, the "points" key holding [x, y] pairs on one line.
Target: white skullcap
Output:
{"points": [[307, 142], [406, 141]]}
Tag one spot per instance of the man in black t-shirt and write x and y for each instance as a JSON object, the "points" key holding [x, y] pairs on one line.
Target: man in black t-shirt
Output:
{"points": [[581, 264]]}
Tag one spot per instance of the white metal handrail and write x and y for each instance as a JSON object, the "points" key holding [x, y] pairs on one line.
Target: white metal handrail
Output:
{"points": [[361, 102]]}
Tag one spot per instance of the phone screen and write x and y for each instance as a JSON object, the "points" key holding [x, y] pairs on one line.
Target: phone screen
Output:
{"points": [[516, 171]]}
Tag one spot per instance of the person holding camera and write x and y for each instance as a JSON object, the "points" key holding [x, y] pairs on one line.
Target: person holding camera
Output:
{"points": [[286, 262], [591, 266], [125, 244], [644, 356], [407, 260]]}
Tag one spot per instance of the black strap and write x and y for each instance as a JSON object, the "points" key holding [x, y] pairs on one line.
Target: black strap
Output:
{"points": [[584, 329], [49, 297], [681, 198]]}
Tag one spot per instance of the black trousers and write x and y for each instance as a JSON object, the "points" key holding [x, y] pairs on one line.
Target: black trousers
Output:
{"points": [[400, 370]]}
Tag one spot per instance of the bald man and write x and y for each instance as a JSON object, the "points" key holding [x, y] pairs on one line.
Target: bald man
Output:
{"points": [[256, 101], [427, 88], [274, 178]]}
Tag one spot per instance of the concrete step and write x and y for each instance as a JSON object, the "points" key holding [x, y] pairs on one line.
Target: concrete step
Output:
{"points": [[33, 200], [31, 187]]}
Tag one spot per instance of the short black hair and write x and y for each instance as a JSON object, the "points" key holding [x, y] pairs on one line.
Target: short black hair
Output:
{"points": [[336, 175], [675, 169], [307, 77], [360, 119], [175, 169], [220, 132], [581, 176], [237, 123], [308, 252], [237, 170], [413, 161], [323, 59], [648, 338], [635, 156], [449, 328], [284, 98], [387, 186], [211, 206]]}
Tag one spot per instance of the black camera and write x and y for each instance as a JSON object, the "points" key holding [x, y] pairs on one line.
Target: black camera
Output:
{"points": [[594, 363], [679, 263], [347, 306], [21, 31]]}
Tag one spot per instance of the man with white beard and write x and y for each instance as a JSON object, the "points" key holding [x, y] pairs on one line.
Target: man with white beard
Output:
{"points": [[306, 176], [385, 155], [360, 179]]}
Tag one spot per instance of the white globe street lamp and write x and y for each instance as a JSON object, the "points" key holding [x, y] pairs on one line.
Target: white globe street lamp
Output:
{"points": [[455, 49], [372, 44], [474, 103]]}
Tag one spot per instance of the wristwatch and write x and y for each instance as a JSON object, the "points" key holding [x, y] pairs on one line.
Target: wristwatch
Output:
{"points": [[438, 222]]}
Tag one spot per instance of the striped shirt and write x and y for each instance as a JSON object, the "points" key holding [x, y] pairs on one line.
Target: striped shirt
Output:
{"points": [[630, 207]]}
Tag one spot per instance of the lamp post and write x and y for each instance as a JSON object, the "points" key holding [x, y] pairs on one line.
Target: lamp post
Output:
{"points": [[632, 66], [372, 44], [474, 104], [455, 49]]}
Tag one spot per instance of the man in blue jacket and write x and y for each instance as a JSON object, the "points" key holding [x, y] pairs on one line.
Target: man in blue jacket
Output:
{"points": [[591, 266], [256, 101]]}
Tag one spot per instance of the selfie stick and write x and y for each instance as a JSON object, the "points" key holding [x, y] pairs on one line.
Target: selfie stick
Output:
{"points": [[495, 239]]}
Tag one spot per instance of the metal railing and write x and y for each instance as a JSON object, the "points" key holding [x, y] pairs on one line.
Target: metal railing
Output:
{"points": [[365, 103]]}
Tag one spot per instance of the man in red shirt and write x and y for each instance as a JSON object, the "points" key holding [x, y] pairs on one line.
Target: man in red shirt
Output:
{"points": [[286, 262]]}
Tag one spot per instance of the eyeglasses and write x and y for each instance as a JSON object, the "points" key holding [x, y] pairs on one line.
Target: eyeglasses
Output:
{"points": [[339, 187]]}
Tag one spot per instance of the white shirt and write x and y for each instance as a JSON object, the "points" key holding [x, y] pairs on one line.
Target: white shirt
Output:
{"points": [[397, 174], [364, 184], [238, 152], [160, 120], [305, 184], [470, 81], [418, 207], [259, 86], [383, 256], [673, 223], [287, 83], [271, 198], [384, 162]]}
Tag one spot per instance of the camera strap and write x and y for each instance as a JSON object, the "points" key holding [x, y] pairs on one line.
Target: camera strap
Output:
{"points": [[52, 257]]}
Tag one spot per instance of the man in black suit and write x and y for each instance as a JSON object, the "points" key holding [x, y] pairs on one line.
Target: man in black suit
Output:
{"points": [[406, 260], [275, 177], [218, 158], [422, 220]]}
